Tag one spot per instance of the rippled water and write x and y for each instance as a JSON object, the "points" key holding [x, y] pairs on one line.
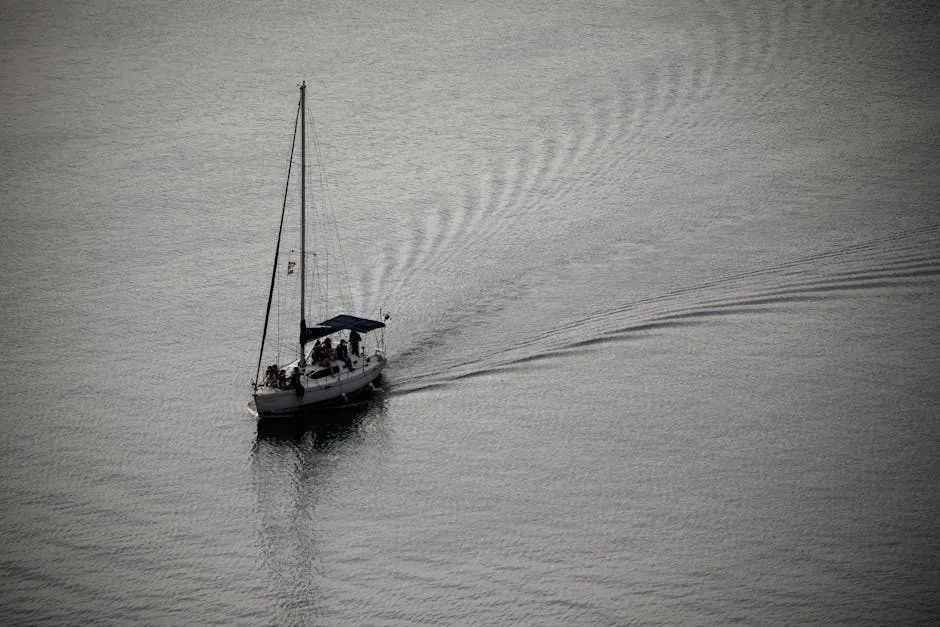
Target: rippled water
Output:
{"points": [[664, 283]]}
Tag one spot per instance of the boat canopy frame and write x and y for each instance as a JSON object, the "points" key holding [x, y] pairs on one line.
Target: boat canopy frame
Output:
{"points": [[342, 322]]}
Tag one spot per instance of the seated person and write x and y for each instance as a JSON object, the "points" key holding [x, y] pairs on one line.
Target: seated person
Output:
{"points": [[270, 376], [342, 353], [317, 353]]}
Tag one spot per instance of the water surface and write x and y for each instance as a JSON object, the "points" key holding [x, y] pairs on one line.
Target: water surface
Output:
{"points": [[663, 283]]}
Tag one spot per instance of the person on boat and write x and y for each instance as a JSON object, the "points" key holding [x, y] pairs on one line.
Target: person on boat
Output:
{"points": [[282, 379], [295, 382], [270, 376], [354, 339], [327, 349], [342, 353], [317, 354]]}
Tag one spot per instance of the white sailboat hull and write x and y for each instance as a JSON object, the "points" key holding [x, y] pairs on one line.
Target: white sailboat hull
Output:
{"points": [[271, 402]]}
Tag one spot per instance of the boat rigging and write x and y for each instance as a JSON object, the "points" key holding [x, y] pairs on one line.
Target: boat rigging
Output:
{"points": [[338, 365]]}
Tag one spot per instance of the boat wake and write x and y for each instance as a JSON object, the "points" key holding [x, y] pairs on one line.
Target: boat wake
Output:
{"points": [[898, 264]]}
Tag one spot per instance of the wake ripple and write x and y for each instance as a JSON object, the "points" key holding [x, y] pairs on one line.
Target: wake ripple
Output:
{"points": [[898, 262]]}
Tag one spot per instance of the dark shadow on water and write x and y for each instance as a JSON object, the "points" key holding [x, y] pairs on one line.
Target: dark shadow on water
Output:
{"points": [[324, 424], [300, 467]]}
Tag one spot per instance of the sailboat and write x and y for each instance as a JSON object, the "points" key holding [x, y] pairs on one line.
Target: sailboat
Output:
{"points": [[337, 367]]}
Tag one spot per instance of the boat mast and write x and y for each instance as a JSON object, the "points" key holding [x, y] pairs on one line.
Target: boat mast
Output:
{"points": [[303, 211]]}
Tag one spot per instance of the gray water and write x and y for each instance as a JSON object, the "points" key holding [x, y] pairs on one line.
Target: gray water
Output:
{"points": [[663, 277]]}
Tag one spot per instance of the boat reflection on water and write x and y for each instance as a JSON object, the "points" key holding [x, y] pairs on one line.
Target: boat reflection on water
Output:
{"points": [[324, 423], [302, 468]]}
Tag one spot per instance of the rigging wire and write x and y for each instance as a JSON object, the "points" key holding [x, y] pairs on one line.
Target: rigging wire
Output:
{"points": [[322, 241], [277, 250], [286, 296], [344, 291]]}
